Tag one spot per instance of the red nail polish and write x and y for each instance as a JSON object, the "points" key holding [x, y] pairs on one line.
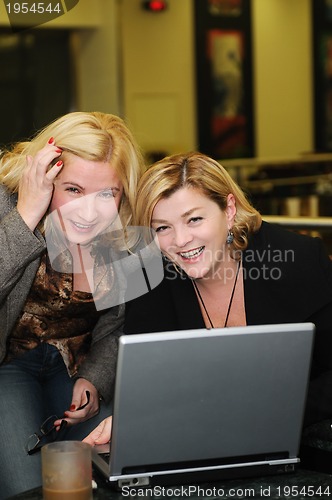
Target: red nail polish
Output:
{"points": [[51, 140], [59, 163], [58, 150]]}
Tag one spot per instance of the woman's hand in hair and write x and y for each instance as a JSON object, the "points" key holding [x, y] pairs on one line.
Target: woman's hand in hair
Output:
{"points": [[36, 185]]}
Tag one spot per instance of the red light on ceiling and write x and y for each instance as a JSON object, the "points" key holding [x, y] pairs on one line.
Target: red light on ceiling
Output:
{"points": [[155, 5]]}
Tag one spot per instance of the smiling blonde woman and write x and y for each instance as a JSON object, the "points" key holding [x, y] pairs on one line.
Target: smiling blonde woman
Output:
{"points": [[72, 183], [224, 266]]}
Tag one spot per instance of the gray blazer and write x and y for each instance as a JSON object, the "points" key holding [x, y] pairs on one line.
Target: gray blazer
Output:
{"points": [[20, 251]]}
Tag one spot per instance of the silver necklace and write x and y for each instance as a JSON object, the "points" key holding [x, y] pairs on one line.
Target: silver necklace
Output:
{"points": [[230, 300]]}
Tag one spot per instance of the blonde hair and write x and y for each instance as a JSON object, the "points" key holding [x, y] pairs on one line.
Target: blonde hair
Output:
{"points": [[195, 170], [93, 136]]}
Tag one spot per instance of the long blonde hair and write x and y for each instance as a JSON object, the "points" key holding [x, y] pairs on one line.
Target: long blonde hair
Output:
{"points": [[93, 136], [198, 171]]}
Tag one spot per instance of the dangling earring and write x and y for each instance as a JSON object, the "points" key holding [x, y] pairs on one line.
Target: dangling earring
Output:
{"points": [[230, 237]]}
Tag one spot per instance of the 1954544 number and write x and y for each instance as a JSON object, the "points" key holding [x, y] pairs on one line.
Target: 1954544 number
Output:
{"points": [[307, 491], [34, 8]]}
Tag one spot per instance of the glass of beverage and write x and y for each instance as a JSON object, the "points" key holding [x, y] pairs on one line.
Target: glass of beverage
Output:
{"points": [[67, 471]]}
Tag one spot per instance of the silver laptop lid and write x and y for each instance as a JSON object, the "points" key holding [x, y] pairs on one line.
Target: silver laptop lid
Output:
{"points": [[189, 398]]}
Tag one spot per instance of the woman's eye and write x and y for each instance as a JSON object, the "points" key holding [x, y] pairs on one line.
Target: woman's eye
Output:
{"points": [[160, 229], [73, 190], [195, 219], [107, 194]]}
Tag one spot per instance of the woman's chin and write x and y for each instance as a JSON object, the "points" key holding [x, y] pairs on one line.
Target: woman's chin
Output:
{"points": [[82, 240], [194, 272]]}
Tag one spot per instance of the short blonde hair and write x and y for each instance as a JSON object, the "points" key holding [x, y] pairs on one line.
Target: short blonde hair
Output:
{"points": [[198, 171], [93, 136]]}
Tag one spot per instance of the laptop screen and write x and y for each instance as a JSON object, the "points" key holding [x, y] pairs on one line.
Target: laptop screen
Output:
{"points": [[200, 398]]}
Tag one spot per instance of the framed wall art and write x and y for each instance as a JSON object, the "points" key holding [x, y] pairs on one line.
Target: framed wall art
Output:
{"points": [[322, 62], [224, 78]]}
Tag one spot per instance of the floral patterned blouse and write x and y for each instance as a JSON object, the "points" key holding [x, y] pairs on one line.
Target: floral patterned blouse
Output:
{"points": [[57, 314]]}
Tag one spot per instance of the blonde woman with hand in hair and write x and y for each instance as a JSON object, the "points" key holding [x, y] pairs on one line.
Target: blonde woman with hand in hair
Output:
{"points": [[63, 194]]}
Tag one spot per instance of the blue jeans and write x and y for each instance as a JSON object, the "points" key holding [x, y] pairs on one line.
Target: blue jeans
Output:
{"points": [[33, 387]]}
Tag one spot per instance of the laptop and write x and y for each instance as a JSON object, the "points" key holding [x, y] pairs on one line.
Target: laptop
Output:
{"points": [[204, 405]]}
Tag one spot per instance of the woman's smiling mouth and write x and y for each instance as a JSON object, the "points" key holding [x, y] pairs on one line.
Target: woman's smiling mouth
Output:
{"points": [[191, 254], [82, 227]]}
